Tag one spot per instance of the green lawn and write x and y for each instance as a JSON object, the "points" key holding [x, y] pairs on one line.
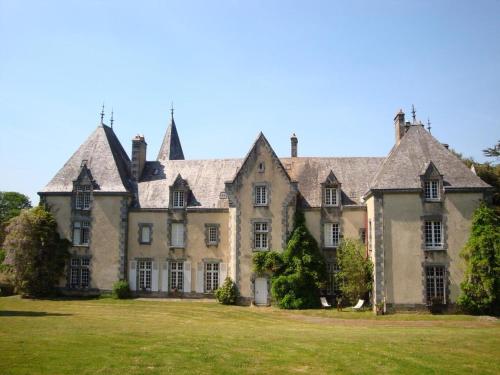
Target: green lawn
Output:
{"points": [[106, 336]]}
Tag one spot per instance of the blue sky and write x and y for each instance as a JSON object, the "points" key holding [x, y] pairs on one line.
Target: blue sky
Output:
{"points": [[333, 72]]}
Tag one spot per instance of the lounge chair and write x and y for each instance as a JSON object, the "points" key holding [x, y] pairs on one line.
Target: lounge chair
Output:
{"points": [[324, 303], [359, 305]]}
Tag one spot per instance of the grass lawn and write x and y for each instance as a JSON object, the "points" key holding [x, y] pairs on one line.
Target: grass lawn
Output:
{"points": [[106, 336]]}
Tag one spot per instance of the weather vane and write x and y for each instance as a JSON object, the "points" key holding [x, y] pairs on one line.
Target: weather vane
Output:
{"points": [[111, 120], [414, 114], [429, 124], [172, 109], [102, 113]]}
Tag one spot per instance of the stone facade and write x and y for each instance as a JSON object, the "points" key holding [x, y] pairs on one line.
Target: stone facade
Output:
{"points": [[175, 227]]}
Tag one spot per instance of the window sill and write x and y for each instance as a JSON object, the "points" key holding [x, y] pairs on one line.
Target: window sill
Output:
{"points": [[332, 247], [176, 247], [259, 250], [212, 244], [440, 248], [80, 245], [435, 200], [261, 205], [331, 205]]}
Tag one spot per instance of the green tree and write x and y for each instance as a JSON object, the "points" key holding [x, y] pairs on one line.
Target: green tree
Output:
{"points": [[299, 273], [481, 286], [35, 251], [355, 278], [492, 152]]}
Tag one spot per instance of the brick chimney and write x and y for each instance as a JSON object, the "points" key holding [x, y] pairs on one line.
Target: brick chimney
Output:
{"points": [[399, 125], [139, 147], [294, 143]]}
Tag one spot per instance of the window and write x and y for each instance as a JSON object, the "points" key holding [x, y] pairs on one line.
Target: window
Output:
{"points": [[330, 196], [431, 188], [261, 195], [261, 168], [177, 235], [177, 276], [362, 235], [79, 272], [178, 199], [332, 286], [211, 277], [145, 233], [260, 236], [435, 283], [81, 233], [332, 234], [433, 234], [82, 197], [213, 235], [144, 274]]}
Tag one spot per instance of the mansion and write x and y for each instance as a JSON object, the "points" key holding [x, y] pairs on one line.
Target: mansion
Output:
{"points": [[177, 227]]}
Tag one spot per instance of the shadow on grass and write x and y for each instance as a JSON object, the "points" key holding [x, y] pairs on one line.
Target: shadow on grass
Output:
{"points": [[29, 313]]}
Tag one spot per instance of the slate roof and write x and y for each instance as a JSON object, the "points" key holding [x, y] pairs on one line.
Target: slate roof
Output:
{"points": [[410, 158], [206, 179], [353, 173], [171, 148], [106, 159]]}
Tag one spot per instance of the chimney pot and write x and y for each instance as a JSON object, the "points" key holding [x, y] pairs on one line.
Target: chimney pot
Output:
{"points": [[294, 143]]}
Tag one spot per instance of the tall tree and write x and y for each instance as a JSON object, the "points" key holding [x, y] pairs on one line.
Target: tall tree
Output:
{"points": [[35, 251], [299, 273], [481, 286], [492, 152], [355, 278]]}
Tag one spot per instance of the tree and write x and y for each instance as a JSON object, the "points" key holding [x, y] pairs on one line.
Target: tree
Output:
{"points": [[36, 252], [355, 277], [299, 273], [492, 152], [481, 286]]}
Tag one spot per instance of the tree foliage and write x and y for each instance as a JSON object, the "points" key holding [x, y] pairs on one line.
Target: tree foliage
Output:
{"points": [[35, 251], [299, 273], [481, 286], [11, 204], [492, 152], [355, 278], [227, 294]]}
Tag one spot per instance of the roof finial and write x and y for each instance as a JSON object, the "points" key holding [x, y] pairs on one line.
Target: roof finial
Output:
{"points": [[429, 124], [172, 110], [102, 113], [413, 113], [111, 120]]}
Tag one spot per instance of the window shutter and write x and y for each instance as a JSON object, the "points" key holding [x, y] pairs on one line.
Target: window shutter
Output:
{"points": [[223, 273], [187, 277], [199, 278], [76, 233], [164, 277], [132, 275], [328, 235], [154, 277], [178, 234]]}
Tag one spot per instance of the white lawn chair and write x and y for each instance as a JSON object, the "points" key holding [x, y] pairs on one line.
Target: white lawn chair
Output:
{"points": [[324, 303], [359, 305]]}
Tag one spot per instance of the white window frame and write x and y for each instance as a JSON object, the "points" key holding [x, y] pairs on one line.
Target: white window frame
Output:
{"points": [[261, 236], [178, 199], [213, 235], [435, 283], [79, 273], [144, 275], [331, 198], [145, 234], [261, 195], [212, 275], [81, 233], [176, 276], [332, 234], [433, 234], [432, 190], [82, 199], [177, 234]]}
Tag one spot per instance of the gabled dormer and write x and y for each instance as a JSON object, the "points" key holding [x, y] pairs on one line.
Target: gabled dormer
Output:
{"points": [[179, 193], [83, 186], [331, 191], [432, 183]]}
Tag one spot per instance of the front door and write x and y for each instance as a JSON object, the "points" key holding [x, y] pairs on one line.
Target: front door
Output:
{"points": [[261, 291]]}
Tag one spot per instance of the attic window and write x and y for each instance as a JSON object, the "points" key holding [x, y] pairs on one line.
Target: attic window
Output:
{"points": [[431, 188], [261, 167], [178, 199], [331, 198], [82, 197]]}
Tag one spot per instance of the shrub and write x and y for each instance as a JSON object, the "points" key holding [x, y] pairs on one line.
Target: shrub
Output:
{"points": [[227, 294], [121, 290]]}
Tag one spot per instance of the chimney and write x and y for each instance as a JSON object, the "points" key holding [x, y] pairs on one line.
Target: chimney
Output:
{"points": [[399, 125], [139, 147], [294, 142]]}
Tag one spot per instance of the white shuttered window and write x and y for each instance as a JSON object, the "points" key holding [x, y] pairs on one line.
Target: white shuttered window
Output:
{"points": [[177, 239]]}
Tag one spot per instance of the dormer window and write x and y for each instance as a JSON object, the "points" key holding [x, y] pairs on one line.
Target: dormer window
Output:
{"points": [[82, 197], [331, 196], [178, 199], [431, 188]]}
